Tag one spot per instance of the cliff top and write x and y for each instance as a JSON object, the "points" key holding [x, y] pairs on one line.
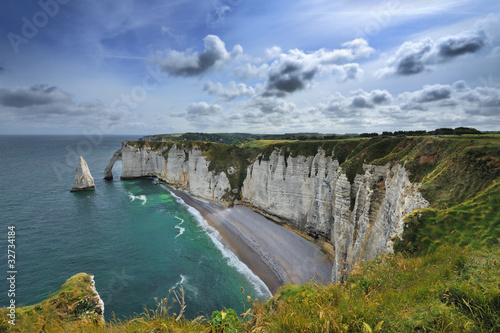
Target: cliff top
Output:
{"points": [[417, 151], [232, 138], [459, 176], [76, 303]]}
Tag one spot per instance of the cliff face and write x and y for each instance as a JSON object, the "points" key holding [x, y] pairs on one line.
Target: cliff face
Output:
{"points": [[310, 193], [314, 195], [299, 190], [186, 168]]}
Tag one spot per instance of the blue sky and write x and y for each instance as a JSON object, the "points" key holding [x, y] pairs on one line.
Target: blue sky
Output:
{"points": [[148, 67]]}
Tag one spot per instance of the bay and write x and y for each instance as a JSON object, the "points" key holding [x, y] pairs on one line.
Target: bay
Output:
{"points": [[135, 237]]}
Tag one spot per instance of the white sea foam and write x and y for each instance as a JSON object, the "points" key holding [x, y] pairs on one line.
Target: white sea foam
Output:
{"points": [[181, 229], [138, 197], [184, 282], [233, 260], [179, 283]]}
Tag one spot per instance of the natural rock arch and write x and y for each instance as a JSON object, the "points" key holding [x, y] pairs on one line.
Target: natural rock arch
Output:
{"points": [[108, 170]]}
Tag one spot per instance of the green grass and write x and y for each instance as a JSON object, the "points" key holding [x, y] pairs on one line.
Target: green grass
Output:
{"points": [[367, 152], [261, 144], [474, 223], [462, 183], [223, 158], [450, 290], [453, 289], [74, 304], [339, 148]]}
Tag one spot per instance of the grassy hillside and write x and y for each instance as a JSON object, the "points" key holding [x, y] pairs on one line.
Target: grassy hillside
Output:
{"points": [[450, 290], [68, 309], [444, 277], [461, 180]]}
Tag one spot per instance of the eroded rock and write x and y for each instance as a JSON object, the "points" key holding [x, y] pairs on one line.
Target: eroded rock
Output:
{"points": [[83, 179]]}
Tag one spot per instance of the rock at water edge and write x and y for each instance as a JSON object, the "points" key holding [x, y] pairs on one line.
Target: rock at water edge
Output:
{"points": [[83, 179]]}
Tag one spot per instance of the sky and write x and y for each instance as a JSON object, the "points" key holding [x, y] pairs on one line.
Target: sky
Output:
{"points": [[273, 66]]}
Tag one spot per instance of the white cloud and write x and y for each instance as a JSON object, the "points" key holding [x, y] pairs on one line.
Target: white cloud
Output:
{"points": [[200, 112], [273, 52], [355, 49], [188, 63], [296, 69], [169, 31], [417, 57], [250, 71], [270, 105], [347, 72], [20, 97], [48, 106], [430, 93], [232, 91]]}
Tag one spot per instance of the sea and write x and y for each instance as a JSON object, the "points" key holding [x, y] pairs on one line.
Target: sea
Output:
{"points": [[138, 239]]}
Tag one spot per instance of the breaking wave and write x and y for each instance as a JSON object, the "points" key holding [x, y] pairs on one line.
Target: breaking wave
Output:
{"points": [[232, 259], [178, 226], [138, 197]]}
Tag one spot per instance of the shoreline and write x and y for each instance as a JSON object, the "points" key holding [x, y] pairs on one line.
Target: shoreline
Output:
{"points": [[274, 253]]}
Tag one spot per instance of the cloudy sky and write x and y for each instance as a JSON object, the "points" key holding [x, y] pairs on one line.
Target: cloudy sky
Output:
{"points": [[273, 66]]}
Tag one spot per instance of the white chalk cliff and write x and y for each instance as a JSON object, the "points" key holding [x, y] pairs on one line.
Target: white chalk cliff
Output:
{"points": [[313, 195], [83, 179], [179, 166], [310, 193]]}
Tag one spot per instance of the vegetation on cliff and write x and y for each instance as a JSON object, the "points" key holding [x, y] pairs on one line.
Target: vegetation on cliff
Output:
{"points": [[233, 138], [461, 180], [74, 306], [444, 277], [449, 290]]}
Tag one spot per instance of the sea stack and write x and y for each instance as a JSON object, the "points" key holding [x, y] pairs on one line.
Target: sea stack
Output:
{"points": [[83, 179]]}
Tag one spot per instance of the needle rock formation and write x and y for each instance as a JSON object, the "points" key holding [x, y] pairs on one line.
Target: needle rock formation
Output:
{"points": [[83, 179]]}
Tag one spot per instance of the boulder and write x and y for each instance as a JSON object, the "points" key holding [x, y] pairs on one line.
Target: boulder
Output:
{"points": [[83, 179]]}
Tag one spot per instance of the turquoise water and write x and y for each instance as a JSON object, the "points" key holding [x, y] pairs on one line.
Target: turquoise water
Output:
{"points": [[137, 238]]}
